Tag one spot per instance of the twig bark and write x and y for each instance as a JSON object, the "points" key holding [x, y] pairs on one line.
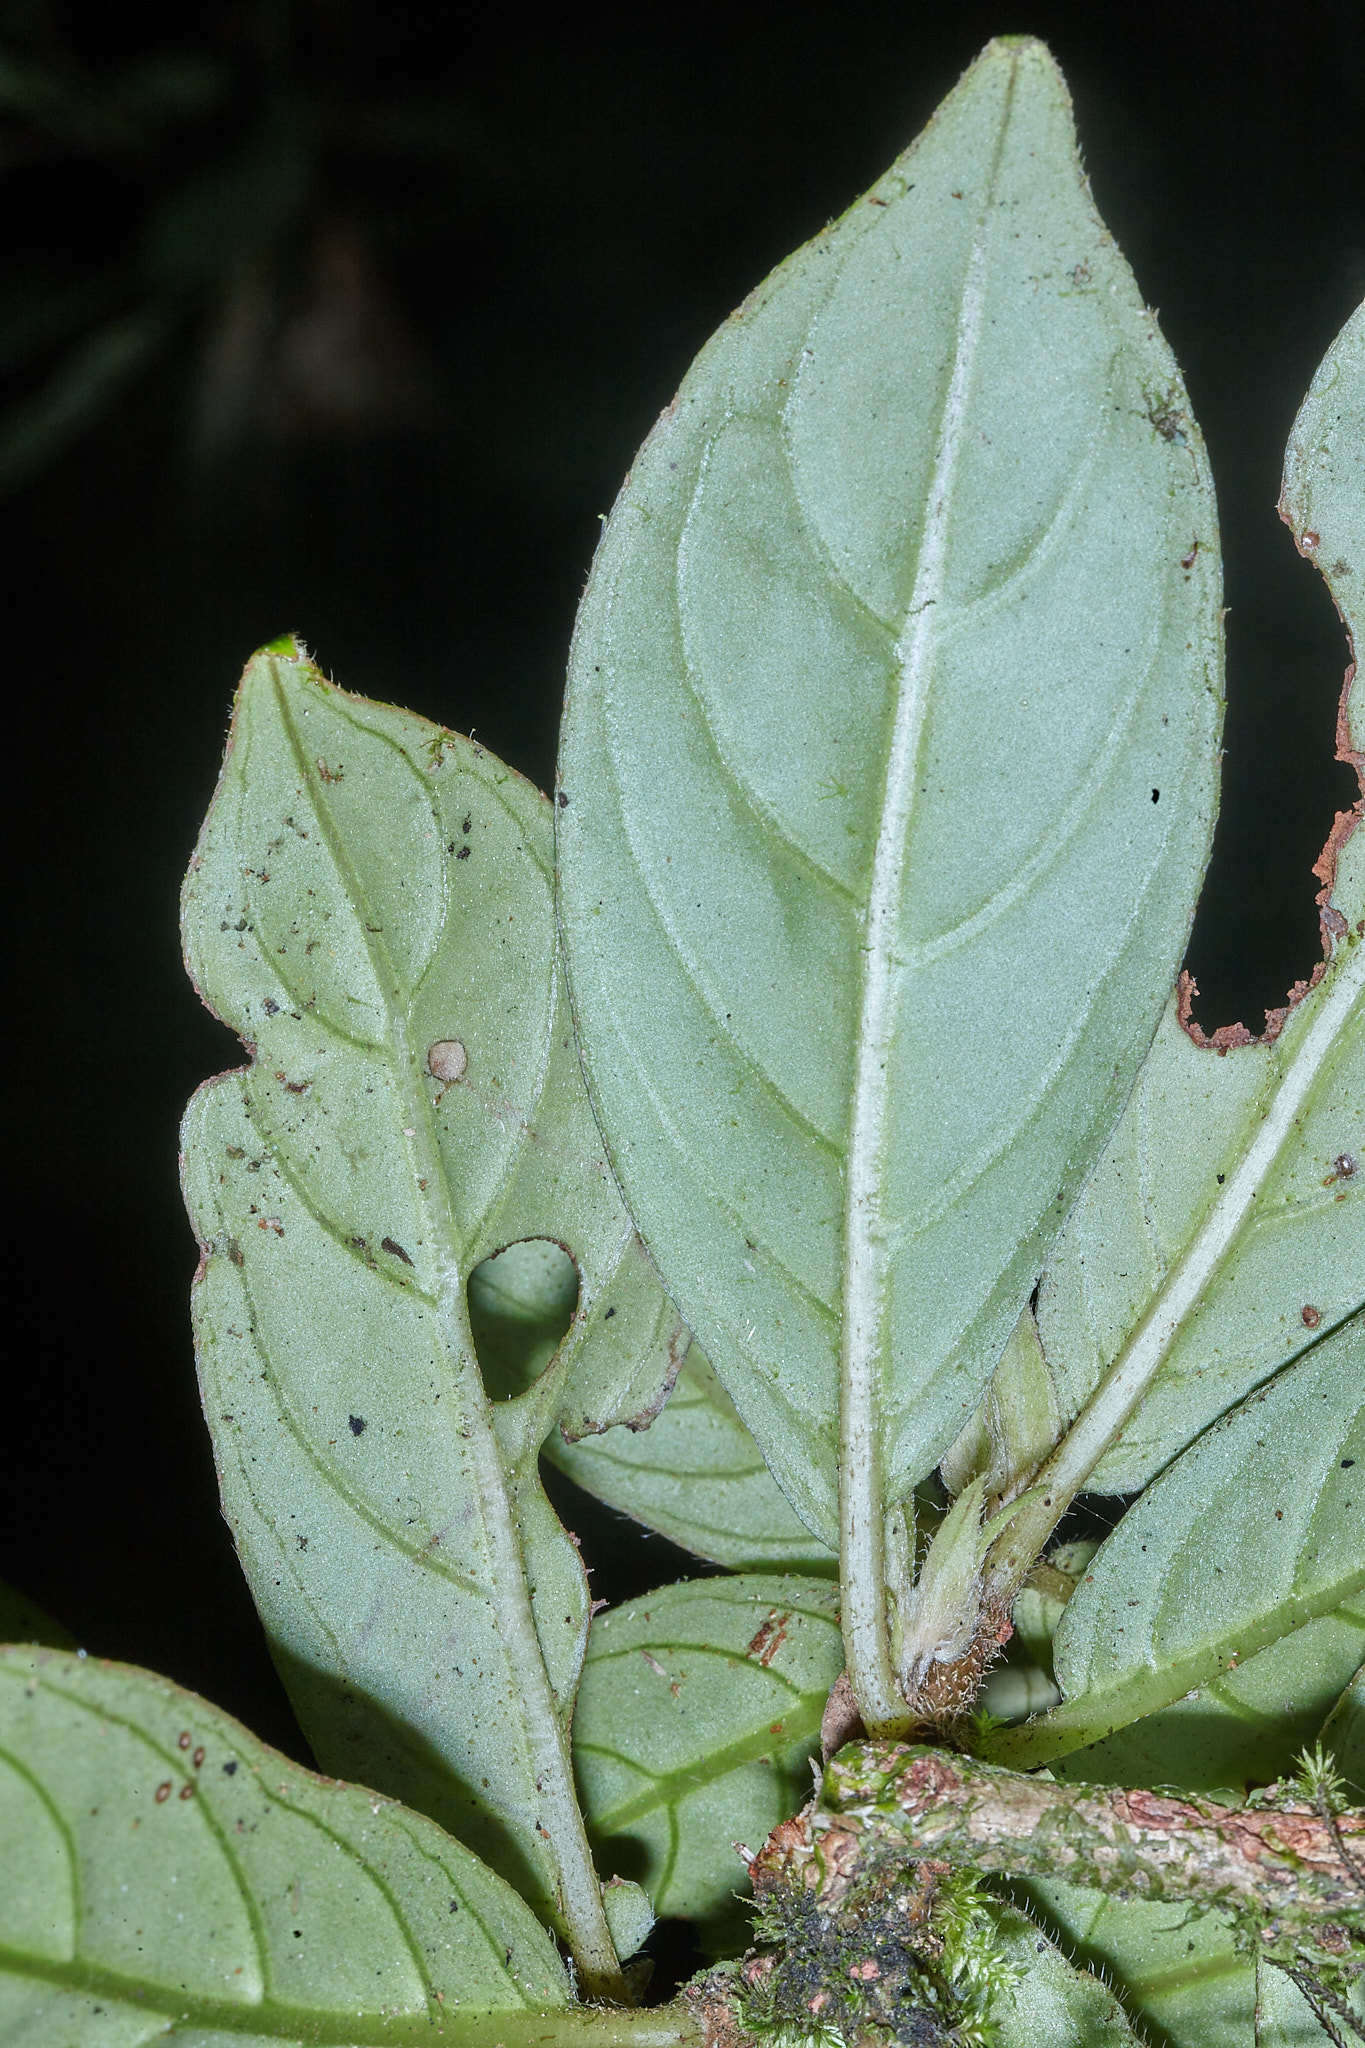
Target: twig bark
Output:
{"points": [[1286, 1874]]}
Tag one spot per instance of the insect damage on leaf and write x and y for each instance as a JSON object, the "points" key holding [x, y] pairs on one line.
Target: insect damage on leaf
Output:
{"points": [[936, 496]]}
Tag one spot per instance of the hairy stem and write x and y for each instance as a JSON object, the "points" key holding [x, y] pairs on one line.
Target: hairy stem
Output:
{"points": [[1283, 1873]]}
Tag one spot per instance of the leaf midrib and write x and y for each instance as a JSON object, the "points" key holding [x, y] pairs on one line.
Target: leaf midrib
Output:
{"points": [[665, 1788], [560, 1826], [546, 2025], [866, 1270], [1215, 1239], [1101, 1711]]}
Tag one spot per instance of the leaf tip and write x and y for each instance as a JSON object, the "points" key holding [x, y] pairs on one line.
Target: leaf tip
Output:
{"points": [[287, 645]]}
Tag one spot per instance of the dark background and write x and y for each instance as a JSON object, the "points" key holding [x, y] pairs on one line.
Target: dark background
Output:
{"points": [[347, 319]]}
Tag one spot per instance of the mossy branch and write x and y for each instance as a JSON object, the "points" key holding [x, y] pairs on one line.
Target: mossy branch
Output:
{"points": [[1288, 1874]]}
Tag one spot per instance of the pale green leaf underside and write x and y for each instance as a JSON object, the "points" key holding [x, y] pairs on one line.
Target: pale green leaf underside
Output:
{"points": [[1054, 2004], [697, 1476], [1343, 1733], [1284, 2018], [1181, 1976], [698, 1712], [1242, 1729], [1295, 1261], [370, 906], [896, 628], [1179, 1972], [1256, 1532], [163, 1871]]}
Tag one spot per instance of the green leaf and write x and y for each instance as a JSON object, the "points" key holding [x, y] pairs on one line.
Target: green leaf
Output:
{"points": [[616, 1367], [166, 1873], [23, 1621], [1226, 1221], [1038, 1607], [370, 906], [1343, 1733], [1168, 1603], [697, 1476], [1241, 1730], [1284, 2018], [698, 1712], [1053, 2004], [908, 606], [1015, 1424], [693, 1472], [1180, 1975]]}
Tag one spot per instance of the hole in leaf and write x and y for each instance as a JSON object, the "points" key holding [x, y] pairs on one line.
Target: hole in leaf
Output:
{"points": [[1256, 931], [521, 1302]]}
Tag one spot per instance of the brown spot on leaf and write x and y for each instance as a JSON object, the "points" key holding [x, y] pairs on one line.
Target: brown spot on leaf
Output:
{"points": [[769, 1638], [447, 1059], [1309, 1316]]}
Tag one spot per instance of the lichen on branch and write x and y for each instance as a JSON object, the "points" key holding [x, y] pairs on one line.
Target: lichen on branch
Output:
{"points": [[1285, 1872]]}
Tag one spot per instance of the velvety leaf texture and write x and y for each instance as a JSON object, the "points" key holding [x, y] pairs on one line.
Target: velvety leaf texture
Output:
{"points": [[1054, 2003], [888, 776], [1170, 1600], [167, 1874], [694, 1474], [1247, 1156], [1183, 1979], [697, 1717], [697, 1476], [370, 907], [1241, 1729]]}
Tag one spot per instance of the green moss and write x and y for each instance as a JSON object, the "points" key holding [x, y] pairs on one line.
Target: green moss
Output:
{"points": [[907, 1957]]}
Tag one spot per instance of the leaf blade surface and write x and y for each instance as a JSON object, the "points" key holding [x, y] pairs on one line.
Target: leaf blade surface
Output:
{"points": [[698, 1713], [697, 1476], [1167, 1604], [1055, 2003], [825, 786], [171, 1861], [370, 907], [1181, 1171]]}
